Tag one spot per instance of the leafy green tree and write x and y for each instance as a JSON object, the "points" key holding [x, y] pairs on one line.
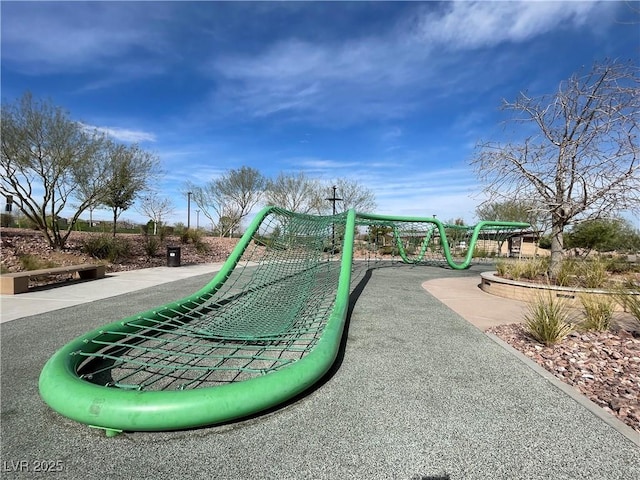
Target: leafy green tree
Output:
{"points": [[47, 162], [526, 211], [378, 234], [131, 170], [603, 235], [511, 211], [579, 157], [455, 231]]}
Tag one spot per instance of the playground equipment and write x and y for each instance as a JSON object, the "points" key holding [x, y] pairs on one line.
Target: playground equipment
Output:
{"points": [[264, 329]]}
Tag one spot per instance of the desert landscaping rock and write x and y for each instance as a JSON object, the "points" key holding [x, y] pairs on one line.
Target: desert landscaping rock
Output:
{"points": [[604, 366]]}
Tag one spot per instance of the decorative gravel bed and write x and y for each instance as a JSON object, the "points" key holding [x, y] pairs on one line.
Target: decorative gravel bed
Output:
{"points": [[604, 366], [19, 242]]}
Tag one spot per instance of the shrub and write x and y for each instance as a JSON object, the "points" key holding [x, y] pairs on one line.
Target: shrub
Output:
{"points": [[593, 274], [201, 247], [629, 299], [567, 273], [106, 247], [32, 262], [598, 312], [179, 228], [195, 237], [6, 220], [502, 268], [163, 232], [151, 245], [619, 264], [191, 236], [523, 269], [534, 268], [547, 320]]}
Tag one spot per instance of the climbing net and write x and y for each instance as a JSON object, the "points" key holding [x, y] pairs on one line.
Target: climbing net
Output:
{"points": [[267, 308], [431, 242], [268, 313]]}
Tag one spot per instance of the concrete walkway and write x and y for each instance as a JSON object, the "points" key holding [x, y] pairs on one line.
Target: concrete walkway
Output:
{"points": [[56, 297], [417, 392]]}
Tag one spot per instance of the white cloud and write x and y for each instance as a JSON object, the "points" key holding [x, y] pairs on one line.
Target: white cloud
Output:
{"points": [[52, 37], [123, 134], [395, 72], [471, 25]]}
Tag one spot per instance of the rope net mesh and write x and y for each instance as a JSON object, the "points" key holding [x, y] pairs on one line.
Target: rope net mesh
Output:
{"points": [[422, 242], [268, 313]]}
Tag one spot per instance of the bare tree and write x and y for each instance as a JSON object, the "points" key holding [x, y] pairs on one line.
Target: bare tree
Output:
{"points": [[582, 161], [227, 200], [210, 202], [352, 194], [156, 208], [243, 188], [294, 192], [47, 161]]}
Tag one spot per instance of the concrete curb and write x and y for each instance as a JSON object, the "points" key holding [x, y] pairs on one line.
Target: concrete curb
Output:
{"points": [[598, 411]]}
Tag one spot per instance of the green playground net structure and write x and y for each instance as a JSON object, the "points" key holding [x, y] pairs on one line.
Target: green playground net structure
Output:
{"points": [[264, 329]]}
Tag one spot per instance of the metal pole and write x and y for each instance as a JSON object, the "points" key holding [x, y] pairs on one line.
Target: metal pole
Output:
{"points": [[197, 219], [334, 199], [188, 210]]}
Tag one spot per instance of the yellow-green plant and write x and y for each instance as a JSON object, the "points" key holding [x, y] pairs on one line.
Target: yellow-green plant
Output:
{"points": [[522, 269], [567, 273], [593, 274], [598, 312], [535, 268], [628, 296], [106, 247], [32, 262], [502, 268], [151, 245], [547, 320]]}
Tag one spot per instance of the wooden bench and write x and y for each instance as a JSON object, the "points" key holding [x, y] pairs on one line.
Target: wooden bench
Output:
{"points": [[12, 283]]}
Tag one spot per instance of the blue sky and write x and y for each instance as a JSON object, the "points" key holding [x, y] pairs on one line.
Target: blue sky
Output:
{"points": [[394, 95]]}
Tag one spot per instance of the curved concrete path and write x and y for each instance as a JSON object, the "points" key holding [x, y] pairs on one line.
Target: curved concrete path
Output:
{"points": [[417, 393]]}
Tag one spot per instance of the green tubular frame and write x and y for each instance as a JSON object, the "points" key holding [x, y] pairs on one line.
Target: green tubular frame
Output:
{"points": [[116, 409], [477, 229]]}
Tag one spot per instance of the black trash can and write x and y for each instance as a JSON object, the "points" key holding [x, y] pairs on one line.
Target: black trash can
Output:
{"points": [[173, 256]]}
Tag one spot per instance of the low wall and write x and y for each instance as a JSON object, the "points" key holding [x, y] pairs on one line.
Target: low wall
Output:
{"points": [[527, 292]]}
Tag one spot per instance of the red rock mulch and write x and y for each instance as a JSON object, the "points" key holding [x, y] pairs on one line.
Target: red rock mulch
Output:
{"points": [[604, 366]]}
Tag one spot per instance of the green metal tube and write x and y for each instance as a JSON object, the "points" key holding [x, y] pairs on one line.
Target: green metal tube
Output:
{"points": [[117, 409]]}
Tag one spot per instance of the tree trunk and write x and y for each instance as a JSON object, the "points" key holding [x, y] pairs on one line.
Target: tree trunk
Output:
{"points": [[557, 246], [115, 218]]}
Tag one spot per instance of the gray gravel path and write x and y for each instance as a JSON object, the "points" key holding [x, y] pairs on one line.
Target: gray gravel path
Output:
{"points": [[418, 393]]}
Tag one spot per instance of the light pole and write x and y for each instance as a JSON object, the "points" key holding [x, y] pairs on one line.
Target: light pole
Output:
{"points": [[333, 199], [189, 209], [197, 219]]}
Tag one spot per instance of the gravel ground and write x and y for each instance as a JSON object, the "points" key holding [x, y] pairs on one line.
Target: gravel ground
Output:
{"points": [[604, 366], [16, 243]]}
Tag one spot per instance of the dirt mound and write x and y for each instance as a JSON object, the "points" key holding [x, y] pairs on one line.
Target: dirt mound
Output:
{"points": [[18, 243]]}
